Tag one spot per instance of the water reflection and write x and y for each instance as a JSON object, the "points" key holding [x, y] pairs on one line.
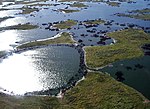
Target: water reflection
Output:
{"points": [[7, 38], [39, 69]]}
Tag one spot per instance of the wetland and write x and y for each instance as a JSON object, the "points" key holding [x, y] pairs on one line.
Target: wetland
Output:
{"points": [[77, 53]]}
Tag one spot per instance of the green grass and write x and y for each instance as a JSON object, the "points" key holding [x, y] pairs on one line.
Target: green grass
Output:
{"points": [[27, 102], [143, 14], [20, 27], [93, 22], [63, 39], [100, 91], [128, 46], [97, 91], [78, 5], [68, 10], [66, 24], [117, 4]]}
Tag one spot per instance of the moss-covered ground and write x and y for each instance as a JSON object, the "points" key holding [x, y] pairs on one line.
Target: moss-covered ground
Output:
{"points": [[128, 45]]}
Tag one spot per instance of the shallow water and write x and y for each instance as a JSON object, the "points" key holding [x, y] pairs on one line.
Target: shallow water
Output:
{"points": [[39, 69], [136, 77]]}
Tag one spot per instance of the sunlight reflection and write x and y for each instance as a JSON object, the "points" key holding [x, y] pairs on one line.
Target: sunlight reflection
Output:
{"points": [[12, 21], [7, 38], [20, 77]]}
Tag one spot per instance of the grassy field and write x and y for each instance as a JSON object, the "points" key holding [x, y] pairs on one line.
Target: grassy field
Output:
{"points": [[97, 91], [128, 46], [138, 14], [20, 27], [66, 24], [63, 39]]}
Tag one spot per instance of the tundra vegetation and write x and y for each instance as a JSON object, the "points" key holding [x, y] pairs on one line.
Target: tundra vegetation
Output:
{"points": [[65, 24], [128, 45], [143, 14]]}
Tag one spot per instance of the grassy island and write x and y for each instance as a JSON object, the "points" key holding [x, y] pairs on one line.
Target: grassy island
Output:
{"points": [[94, 22], [97, 91], [78, 5], [28, 10], [117, 4], [137, 14], [65, 24], [128, 46], [68, 10], [63, 39], [20, 27]]}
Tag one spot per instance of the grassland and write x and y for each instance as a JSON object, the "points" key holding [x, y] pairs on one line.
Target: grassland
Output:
{"points": [[93, 22], [20, 27], [65, 24], [143, 14], [63, 39], [97, 91], [68, 10], [128, 46]]}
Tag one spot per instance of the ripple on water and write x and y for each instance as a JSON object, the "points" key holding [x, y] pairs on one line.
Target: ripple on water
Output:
{"points": [[39, 69]]}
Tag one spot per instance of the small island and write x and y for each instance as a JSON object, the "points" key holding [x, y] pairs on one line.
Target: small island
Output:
{"points": [[137, 14], [26, 26]]}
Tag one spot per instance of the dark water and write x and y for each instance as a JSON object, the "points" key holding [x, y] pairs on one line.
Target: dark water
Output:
{"points": [[136, 73]]}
